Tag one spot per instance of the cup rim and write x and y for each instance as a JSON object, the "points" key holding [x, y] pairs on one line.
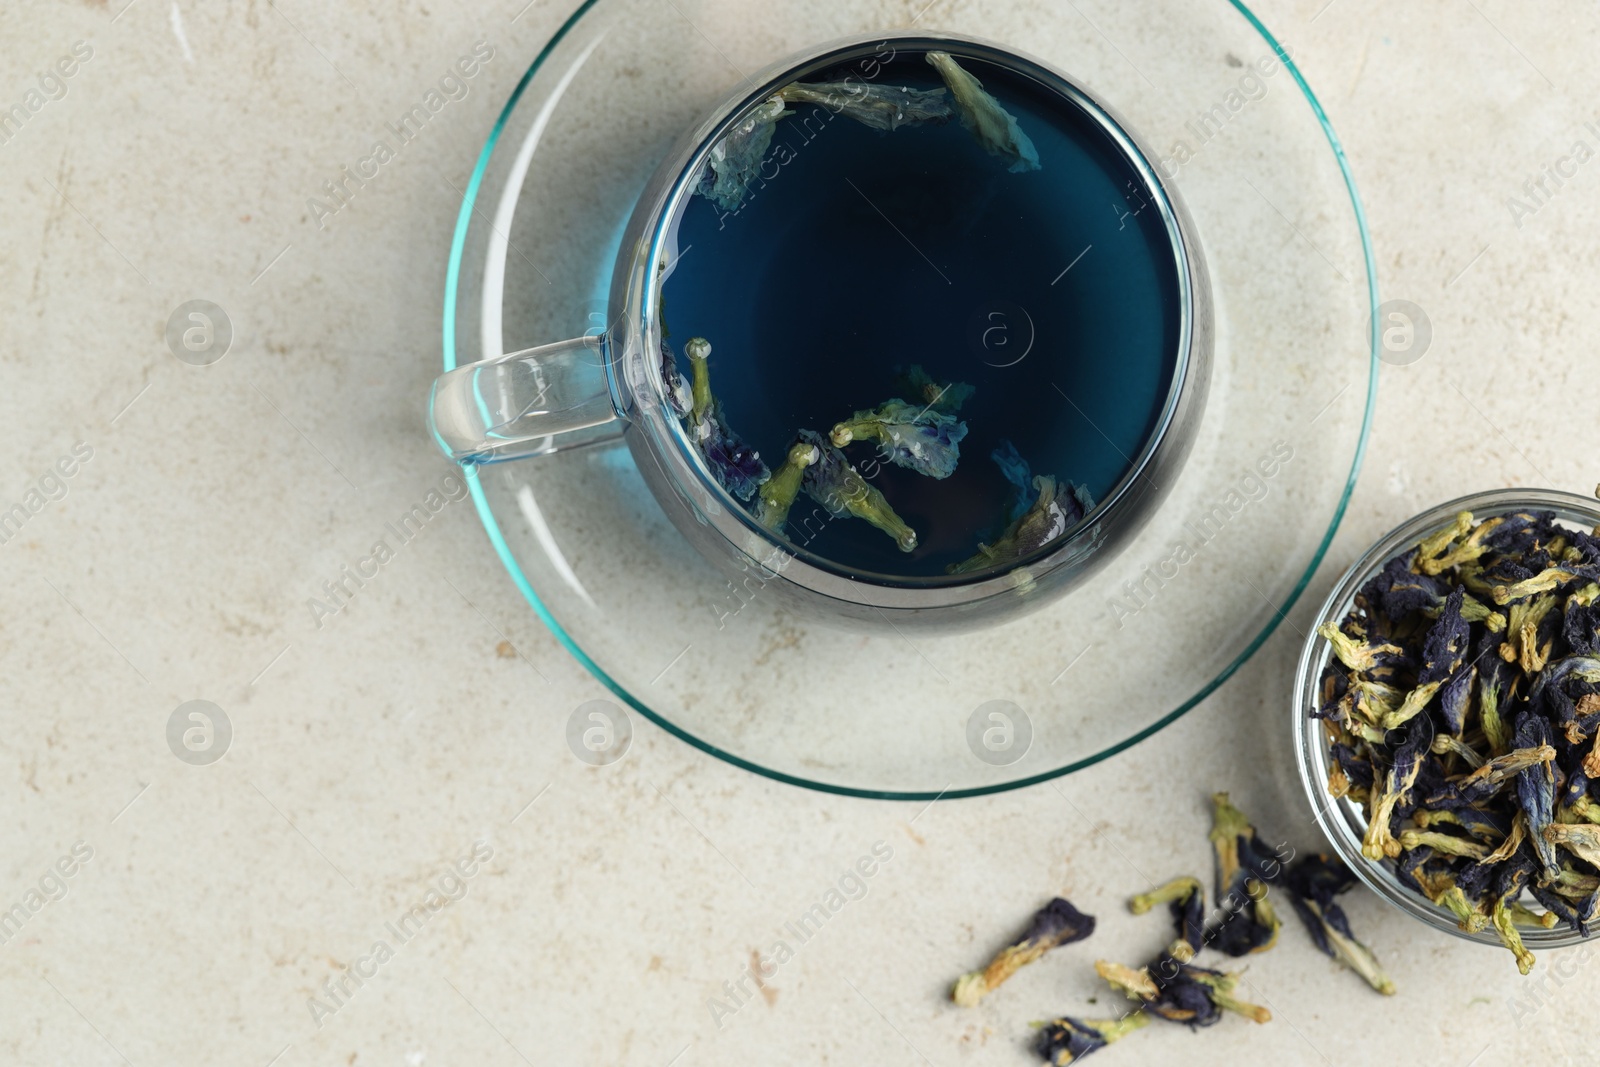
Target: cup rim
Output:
{"points": [[1342, 820], [1187, 382]]}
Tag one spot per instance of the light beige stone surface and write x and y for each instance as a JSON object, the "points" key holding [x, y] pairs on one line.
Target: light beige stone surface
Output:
{"points": [[372, 753]]}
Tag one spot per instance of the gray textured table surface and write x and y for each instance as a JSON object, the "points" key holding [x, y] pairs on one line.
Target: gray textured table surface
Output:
{"points": [[606, 907]]}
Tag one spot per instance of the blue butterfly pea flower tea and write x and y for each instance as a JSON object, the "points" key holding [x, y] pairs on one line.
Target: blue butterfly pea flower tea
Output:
{"points": [[919, 319]]}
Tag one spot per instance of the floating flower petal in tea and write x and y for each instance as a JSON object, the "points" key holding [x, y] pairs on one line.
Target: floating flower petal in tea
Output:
{"points": [[883, 107], [832, 482], [993, 126], [735, 161], [907, 435], [777, 494], [736, 466]]}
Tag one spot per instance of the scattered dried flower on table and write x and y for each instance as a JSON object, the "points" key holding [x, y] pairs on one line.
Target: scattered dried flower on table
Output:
{"points": [[1057, 923], [1067, 1040], [1181, 992], [1186, 900], [1244, 867], [1313, 881]]}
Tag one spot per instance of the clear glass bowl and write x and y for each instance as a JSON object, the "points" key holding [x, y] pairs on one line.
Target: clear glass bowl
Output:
{"points": [[1343, 820], [899, 716]]}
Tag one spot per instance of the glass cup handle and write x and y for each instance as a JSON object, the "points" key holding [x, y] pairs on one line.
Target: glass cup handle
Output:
{"points": [[525, 403]]}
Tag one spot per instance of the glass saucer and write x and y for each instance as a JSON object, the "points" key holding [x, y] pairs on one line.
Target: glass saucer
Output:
{"points": [[1189, 598]]}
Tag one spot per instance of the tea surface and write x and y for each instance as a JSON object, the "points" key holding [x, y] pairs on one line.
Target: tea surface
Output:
{"points": [[856, 253]]}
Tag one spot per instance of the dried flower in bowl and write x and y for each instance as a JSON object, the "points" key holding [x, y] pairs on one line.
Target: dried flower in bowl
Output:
{"points": [[776, 495], [1461, 706]]}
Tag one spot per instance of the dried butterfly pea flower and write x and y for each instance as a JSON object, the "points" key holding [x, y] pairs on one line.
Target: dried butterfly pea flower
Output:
{"points": [[1462, 705], [1549, 693], [1244, 868], [1496, 685], [1536, 790], [1467, 544], [1057, 923], [1186, 899], [1393, 790], [1356, 771], [882, 107], [1398, 591], [1523, 915], [1054, 511], [915, 437], [1313, 883], [990, 124], [776, 496], [832, 482], [1580, 623], [680, 397], [1546, 580], [1446, 844], [1510, 881], [1486, 781], [920, 386], [735, 160], [1519, 533], [1454, 900], [736, 466], [1531, 630], [1444, 651], [1067, 1040], [1181, 992], [1249, 922], [1360, 656], [1580, 839], [1455, 702]]}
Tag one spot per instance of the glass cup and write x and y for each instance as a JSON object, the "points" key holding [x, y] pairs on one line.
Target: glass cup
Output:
{"points": [[609, 384], [1343, 820]]}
